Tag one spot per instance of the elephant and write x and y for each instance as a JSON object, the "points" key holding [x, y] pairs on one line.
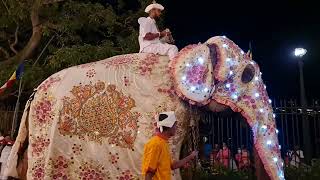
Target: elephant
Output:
{"points": [[91, 121]]}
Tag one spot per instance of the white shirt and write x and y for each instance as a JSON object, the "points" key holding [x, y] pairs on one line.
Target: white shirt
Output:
{"points": [[5, 154], [295, 159], [147, 25]]}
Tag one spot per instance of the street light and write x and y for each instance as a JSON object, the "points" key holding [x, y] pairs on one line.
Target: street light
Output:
{"points": [[299, 53]]}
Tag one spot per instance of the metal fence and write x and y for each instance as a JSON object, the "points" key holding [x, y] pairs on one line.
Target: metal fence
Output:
{"points": [[232, 129], [6, 117]]}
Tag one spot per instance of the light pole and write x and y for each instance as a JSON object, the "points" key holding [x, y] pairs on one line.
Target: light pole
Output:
{"points": [[299, 53]]}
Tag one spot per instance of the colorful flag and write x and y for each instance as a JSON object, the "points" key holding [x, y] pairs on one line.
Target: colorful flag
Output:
{"points": [[15, 76]]}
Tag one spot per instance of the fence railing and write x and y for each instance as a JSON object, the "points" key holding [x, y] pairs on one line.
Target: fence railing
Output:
{"points": [[232, 129], [6, 118]]}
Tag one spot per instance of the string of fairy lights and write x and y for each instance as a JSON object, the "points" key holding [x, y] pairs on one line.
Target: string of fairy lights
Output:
{"points": [[195, 84], [269, 143]]}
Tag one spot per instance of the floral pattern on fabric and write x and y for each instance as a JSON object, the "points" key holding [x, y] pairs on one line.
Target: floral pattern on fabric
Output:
{"points": [[146, 66], [37, 170], [92, 170], [197, 75], [119, 61], [127, 175], [113, 158], [48, 83], [38, 145], [77, 149], [43, 111], [60, 168], [126, 81], [100, 113], [91, 73]]}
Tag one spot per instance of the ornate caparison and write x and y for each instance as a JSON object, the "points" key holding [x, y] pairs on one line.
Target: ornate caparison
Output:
{"points": [[220, 71]]}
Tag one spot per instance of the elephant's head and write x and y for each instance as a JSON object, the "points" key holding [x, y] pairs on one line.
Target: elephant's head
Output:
{"points": [[217, 74]]}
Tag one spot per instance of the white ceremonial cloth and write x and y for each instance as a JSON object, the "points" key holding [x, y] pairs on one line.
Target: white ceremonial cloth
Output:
{"points": [[155, 46]]}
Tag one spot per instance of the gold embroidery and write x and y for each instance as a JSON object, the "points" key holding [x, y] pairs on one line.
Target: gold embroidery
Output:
{"points": [[98, 114]]}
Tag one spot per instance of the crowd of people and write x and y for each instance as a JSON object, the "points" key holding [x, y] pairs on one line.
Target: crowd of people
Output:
{"points": [[222, 156], [6, 143]]}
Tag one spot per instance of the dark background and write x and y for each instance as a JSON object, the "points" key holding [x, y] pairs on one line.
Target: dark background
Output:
{"points": [[275, 28]]}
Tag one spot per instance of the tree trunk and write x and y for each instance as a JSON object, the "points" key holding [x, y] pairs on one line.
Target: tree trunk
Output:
{"points": [[34, 40]]}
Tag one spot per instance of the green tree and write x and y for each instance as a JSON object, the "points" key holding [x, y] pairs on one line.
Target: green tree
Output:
{"points": [[55, 34]]}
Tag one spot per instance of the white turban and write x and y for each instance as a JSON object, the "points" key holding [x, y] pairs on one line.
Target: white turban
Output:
{"points": [[168, 122], [154, 5]]}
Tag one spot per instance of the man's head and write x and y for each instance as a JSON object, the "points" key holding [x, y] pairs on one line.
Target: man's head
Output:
{"points": [[167, 123], [154, 10]]}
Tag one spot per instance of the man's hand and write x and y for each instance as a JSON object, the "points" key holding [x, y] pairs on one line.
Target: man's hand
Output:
{"points": [[193, 154], [184, 161]]}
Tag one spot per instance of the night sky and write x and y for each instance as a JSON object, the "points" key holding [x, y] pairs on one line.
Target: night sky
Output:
{"points": [[274, 28]]}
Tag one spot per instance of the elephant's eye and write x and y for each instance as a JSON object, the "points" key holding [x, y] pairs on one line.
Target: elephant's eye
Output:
{"points": [[248, 73]]}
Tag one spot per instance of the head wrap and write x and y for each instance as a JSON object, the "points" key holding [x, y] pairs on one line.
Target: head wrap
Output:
{"points": [[167, 122], [154, 5]]}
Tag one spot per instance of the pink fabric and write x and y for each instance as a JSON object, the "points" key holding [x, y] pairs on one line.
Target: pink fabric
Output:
{"points": [[243, 159], [224, 157]]}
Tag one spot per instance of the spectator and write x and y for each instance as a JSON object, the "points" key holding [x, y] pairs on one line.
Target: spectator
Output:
{"points": [[296, 157], [224, 155], [287, 158], [2, 141], [207, 148], [5, 155], [242, 158], [214, 154]]}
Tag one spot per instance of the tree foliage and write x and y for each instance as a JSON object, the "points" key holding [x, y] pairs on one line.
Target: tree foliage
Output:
{"points": [[55, 34]]}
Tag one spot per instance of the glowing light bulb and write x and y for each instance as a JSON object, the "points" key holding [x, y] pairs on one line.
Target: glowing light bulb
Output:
{"points": [[228, 59], [225, 45], [256, 95], [205, 89], [269, 142], [184, 78], [228, 85], [231, 72], [270, 101], [234, 96], [242, 52], [264, 127], [224, 36], [281, 175], [187, 64], [200, 60], [279, 146], [193, 88], [275, 159], [138, 132], [256, 78], [274, 115], [261, 110], [260, 73], [277, 131], [265, 87], [252, 62]]}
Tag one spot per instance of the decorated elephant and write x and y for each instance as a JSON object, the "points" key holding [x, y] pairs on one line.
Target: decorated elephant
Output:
{"points": [[91, 121]]}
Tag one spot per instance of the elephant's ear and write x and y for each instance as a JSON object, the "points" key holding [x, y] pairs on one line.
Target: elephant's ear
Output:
{"points": [[229, 57], [192, 72]]}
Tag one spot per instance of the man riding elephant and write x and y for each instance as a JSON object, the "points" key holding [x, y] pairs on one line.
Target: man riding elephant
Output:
{"points": [[149, 35]]}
